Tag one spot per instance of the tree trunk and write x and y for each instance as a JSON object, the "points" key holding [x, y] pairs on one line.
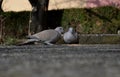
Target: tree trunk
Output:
{"points": [[38, 15], [0, 22], [0, 5]]}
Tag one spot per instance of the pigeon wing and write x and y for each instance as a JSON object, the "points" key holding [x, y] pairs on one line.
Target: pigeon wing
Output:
{"points": [[47, 35]]}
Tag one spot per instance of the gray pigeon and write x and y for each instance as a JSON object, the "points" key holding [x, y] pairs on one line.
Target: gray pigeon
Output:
{"points": [[48, 37], [70, 36]]}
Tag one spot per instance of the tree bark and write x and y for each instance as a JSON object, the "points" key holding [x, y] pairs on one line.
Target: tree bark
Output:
{"points": [[1, 22], [38, 15], [0, 5]]}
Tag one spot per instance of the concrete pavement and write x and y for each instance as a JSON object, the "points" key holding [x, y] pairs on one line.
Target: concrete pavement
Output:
{"points": [[98, 60]]}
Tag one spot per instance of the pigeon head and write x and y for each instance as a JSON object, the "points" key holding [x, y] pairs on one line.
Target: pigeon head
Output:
{"points": [[59, 29], [71, 30]]}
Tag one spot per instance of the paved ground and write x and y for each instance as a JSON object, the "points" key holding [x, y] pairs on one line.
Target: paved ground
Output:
{"points": [[60, 61]]}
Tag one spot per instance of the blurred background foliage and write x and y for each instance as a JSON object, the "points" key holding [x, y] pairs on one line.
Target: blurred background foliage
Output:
{"points": [[96, 20], [103, 20], [15, 26]]}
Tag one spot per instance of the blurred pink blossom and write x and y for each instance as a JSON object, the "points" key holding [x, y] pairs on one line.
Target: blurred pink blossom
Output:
{"points": [[100, 3]]}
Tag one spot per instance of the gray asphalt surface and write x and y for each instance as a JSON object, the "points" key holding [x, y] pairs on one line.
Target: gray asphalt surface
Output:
{"points": [[60, 61]]}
